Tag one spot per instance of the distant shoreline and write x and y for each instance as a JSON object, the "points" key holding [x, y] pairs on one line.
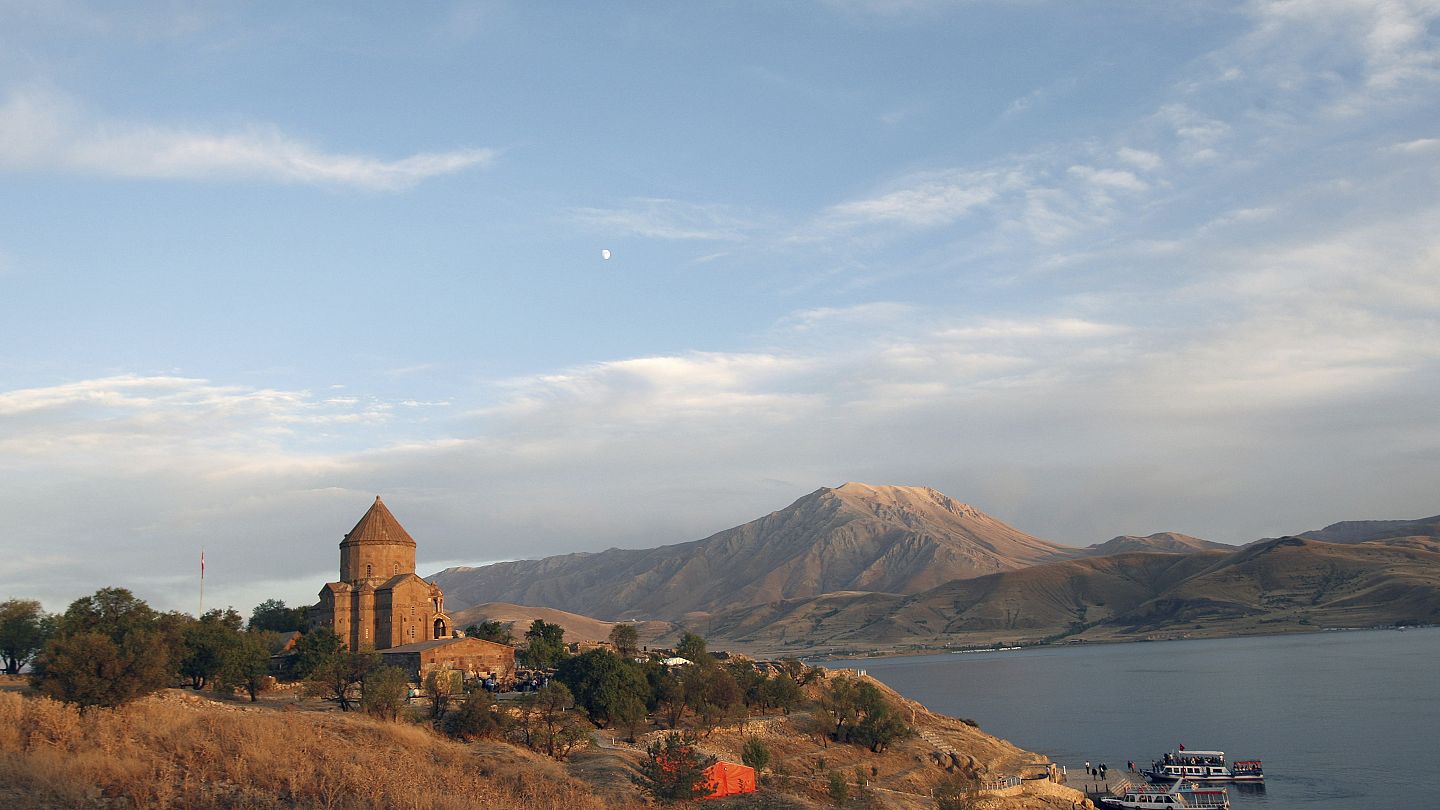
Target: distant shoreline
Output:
{"points": [[887, 653]]}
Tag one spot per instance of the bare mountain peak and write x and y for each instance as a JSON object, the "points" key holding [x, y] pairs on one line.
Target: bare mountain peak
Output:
{"points": [[854, 537], [912, 498]]}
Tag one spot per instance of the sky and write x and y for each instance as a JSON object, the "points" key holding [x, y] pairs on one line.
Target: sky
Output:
{"points": [[1094, 268]]}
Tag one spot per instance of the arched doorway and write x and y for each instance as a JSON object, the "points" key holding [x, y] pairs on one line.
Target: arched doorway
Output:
{"points": [[440, 628]]}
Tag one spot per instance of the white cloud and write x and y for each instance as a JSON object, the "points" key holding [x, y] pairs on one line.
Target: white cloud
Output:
{"points": [[1417, 146], [660, 218], [43, 133], [1147, 161], [924, 201]]}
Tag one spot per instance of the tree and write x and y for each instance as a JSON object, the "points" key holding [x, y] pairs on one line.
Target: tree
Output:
{"points": [[478, 717], [383, 691], [838, 790], [750, 681], [272, 614], [109, 648], [755, 754], [546, 644], [626, 640], [440, 686], [780, 692], [674, 769], [715, 697], [316, 649], [247, 664], [206, 644], [862, 715], [547, 723], [338, 676], [603, 684], [692, 648], [24, 628], [491, 630], [669, 691]]}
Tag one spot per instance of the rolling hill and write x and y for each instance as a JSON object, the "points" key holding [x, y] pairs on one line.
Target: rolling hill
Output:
{"points": [[1162, 542], [577, 627], [1289, 583], [855, 537]]}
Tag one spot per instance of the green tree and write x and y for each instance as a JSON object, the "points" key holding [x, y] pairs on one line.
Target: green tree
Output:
{"points": [[669, 691], [206, 644], [674, 769], [272, 614], [781, 692], [491, 630], [750, 681], [546, 644], [862, 715], [383, 691], [338, 676], [692, 648], [247, 664], [755, 754], [316, 649], [603, 684], [24, 628], [626, 640], [108, 649], [547, 722], [714, 696], [478, 717], [839, 791]]}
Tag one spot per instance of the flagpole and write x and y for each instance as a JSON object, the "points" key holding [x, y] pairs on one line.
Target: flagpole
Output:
{"points": [[202, 583]]}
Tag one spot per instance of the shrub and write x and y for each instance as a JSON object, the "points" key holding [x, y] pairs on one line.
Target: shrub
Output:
{"points": [[755, 754], [838, 790], [478, 717], [674, 769], [383, 692]]}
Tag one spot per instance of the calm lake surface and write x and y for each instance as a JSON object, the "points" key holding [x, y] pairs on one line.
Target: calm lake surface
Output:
{"points": [[1341, 719]]}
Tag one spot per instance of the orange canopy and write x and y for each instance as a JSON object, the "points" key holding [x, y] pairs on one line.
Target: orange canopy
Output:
{"points": [[728, 779]]}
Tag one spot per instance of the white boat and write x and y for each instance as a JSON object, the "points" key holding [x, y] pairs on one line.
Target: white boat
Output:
{"points": [[1167, 796], [1203, 766]]}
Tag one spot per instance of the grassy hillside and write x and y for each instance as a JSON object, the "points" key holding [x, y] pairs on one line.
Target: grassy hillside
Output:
{"points": [[176, 750]]}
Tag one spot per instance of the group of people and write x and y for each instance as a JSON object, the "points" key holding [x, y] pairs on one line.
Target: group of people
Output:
{"points": [[1098, 771]]}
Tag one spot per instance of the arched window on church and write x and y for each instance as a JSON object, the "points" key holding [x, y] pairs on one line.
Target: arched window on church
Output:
{"points": [[397, 568], [439, 628]]}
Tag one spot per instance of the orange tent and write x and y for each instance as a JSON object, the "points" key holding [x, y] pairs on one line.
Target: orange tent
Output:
{"points": [[728, 779]]}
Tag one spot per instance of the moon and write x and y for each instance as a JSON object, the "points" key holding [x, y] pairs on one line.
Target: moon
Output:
{"points": [[605, 254]]}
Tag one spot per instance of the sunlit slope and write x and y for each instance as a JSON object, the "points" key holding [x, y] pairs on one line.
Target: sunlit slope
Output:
{"points": [[854, 537]]}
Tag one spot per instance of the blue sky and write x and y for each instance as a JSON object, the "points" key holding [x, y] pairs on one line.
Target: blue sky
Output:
{"points": [[1095, 268]]}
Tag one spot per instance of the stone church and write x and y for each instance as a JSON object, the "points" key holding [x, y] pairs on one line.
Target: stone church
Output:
{"points": [[380, 602]]}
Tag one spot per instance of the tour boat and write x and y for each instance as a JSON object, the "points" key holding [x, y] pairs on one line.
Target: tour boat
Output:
{"points": [[1167, 796], [1203, 766]]}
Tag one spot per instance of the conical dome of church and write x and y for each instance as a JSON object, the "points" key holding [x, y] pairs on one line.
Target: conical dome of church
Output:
{"points": [[378, 526]]}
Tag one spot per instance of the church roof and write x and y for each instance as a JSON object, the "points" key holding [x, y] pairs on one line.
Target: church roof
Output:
{"points": [[378, 526], [421, 646]]}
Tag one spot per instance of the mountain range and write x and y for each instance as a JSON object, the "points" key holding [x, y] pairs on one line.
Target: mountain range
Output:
{"points": [[861, 566]]}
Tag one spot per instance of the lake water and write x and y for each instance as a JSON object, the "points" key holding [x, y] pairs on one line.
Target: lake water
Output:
{"points": [[1341, 719]]}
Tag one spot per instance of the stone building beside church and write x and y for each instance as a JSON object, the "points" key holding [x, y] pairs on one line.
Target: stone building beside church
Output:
{"points": [[379, 601]]}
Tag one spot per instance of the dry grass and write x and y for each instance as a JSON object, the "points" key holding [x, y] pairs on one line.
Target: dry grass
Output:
{"points": [[174, 751]]}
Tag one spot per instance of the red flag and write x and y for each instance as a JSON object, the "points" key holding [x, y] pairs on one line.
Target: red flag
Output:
{"points": [[202, 564]]}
